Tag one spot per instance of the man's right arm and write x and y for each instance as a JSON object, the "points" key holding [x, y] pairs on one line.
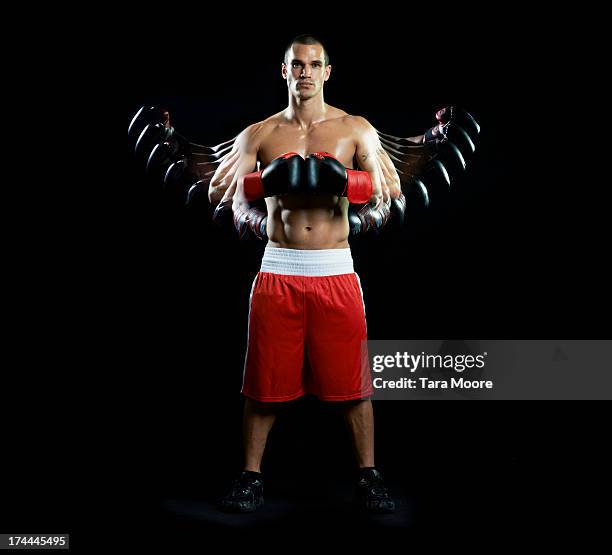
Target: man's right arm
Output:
{"points": [[241, 160], [226, 188]]}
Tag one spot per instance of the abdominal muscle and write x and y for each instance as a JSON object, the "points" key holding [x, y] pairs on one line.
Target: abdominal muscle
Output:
{"points": [[308, 222]]}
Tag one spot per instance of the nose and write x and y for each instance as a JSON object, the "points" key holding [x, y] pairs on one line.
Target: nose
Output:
{"points": [[306, 71]]}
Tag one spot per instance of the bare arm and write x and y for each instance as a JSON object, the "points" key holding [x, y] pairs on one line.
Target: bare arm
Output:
{"points": [[372, 158], [227, 190], [240, 161], [391, 178]]}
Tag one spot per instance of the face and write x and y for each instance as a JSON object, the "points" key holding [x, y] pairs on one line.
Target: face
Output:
{"points": [[305, 70]]}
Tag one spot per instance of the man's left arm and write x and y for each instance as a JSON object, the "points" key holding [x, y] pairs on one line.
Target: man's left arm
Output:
{"points": [[371, 157]]}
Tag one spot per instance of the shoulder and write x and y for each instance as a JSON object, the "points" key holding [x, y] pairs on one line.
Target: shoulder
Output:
{"points": [[340, 116], [361, 129], [360, 123], [256, 131]]}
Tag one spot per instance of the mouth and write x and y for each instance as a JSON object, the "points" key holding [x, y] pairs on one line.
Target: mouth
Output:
{"points": [[303, 84]]}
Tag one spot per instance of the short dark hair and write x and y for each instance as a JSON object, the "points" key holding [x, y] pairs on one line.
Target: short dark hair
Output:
{"points": [[306, 39]]}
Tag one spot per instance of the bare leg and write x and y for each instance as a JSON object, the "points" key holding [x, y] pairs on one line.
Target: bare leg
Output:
{"points": [[258, 419], [359, 417]]}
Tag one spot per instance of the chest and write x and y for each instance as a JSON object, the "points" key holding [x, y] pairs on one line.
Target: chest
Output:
{"points": [[337, 139]]}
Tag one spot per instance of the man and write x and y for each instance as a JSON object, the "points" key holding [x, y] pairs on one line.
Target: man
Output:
{"points": [[306, 301]]}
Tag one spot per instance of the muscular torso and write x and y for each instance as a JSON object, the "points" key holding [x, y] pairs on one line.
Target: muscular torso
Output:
{"points": [[307, 221]]}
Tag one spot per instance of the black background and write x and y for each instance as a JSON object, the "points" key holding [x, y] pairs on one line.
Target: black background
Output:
{"points": [[514, 252]]}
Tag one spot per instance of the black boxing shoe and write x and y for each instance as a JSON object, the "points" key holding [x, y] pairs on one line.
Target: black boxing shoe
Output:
{"points": [[371, 495], [246, 495]]}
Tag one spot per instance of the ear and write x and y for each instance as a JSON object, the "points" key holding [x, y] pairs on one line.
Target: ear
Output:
{"points": [[284, 70], [327, 72]]}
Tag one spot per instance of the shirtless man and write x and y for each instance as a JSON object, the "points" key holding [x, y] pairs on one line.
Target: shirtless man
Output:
{"points": [[306, 302]]}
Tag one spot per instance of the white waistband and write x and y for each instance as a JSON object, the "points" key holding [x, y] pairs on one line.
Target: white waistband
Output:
{"points": [[297, 262]]}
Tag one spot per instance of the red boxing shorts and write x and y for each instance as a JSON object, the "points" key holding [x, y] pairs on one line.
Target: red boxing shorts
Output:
{"points": [[307, 328]]}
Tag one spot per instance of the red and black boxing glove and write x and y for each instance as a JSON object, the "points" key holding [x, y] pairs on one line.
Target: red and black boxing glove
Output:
{"points": [[281, 176], [440, 131], [454, 125], [325, 174]]}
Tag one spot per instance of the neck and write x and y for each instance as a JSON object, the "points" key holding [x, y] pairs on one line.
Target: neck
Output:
{"points": [[307, 111]]}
